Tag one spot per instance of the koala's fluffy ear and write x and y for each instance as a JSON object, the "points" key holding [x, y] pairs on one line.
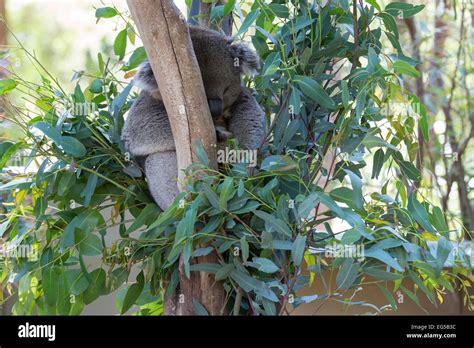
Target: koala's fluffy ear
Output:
{"points": [[247, 58], [145, 80]]}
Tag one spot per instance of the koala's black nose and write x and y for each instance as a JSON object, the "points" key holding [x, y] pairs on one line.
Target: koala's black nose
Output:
{"points": [[215, 106]]}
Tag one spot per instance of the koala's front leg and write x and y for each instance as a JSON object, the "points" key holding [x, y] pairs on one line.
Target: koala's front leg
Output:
{"points": [[247, 121]]}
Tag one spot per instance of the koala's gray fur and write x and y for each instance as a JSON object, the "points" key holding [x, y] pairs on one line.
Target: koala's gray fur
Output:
{"points": [[147, 132]]}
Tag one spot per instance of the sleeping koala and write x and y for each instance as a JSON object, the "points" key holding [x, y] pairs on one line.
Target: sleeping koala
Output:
{"points": [[147, 131]]}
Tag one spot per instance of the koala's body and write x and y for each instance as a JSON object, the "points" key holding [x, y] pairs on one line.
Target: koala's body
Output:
{"points": [[147, 131]]}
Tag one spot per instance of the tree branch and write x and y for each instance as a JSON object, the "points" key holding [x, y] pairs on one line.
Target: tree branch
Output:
{"points": [[169, 48]]}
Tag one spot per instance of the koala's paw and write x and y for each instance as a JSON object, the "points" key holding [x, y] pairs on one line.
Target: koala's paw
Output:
{"points": [[223, 134]]}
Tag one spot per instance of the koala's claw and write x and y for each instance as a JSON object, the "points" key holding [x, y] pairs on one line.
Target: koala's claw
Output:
{"points": [[223, 134]]}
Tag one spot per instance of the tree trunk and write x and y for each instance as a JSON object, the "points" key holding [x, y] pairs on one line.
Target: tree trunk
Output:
{"points": [[169, 48], [420, 88], [3, 27], [455, 174]]}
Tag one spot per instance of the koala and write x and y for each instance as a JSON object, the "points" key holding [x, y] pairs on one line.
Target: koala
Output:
{"points": [[236, 114]]}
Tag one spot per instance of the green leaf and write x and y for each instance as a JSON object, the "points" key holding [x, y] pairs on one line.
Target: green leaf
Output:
{"points": [[69, 144], [280, 10], [402, 192], [357, 196], [377, 163], [48, 130], [88, 244], [390, 24], [438, 221], [6, 156], [211, 196], [251, 17], [418, 212], [383, 256], [244, 245], [138, 56], [202, 251], [330, 204], [422, 286], [345, 94], [371, 141], [105, 12], [270, 308], [403, 10], [379, 274], [411, 295], [443, 250], [404, 68], [295, 101], [199, 308], [345, 195], [278, 163], [282, 244], [276, 224], [373, 60], [347, 273], [264, 265], [229, 7], [241, 189], [120, 44], [298, 249], [374, 4], [312, 89], [96, 86], [410, 170], [77, 281], [88, 191], [226, 192], [224, 272], [201, 153], [133, 293], [73, 146], [87, 221], [100, 62], [206, 267], [96, 285], [217, 12], [7, 85], [246, 282], [49, 281], [351, 236], [120, 100], [146, 216], [305, 207], [388, 296], [248, 207]]}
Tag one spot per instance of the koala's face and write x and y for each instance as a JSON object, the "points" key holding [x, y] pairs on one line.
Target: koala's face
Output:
{"points": [[221, 65]]}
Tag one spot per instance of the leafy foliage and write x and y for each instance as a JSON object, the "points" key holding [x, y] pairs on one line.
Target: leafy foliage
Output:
{"points": [[325, 84]]}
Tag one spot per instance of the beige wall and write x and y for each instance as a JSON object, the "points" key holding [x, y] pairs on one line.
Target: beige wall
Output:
{"points": [[452, 302]]}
